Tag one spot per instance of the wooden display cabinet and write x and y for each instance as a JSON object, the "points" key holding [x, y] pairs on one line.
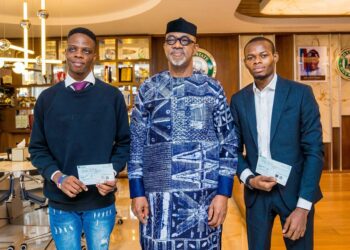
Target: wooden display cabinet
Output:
{"points": [[124, 62]]}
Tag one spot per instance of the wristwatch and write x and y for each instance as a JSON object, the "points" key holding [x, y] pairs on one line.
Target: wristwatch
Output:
{"points": [[248, 180]]}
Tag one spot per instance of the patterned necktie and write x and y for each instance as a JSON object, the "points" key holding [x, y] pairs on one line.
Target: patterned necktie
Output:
{"points": [[79, 85]]}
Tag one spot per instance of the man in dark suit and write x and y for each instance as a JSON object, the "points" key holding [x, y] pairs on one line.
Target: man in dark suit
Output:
{"points": [[277, 119]]}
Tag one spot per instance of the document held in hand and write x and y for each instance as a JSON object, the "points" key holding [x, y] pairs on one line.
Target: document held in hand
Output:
{"points": [[95, 173], [272, 168]]}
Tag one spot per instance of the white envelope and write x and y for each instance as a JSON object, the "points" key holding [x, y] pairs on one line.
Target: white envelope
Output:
{"points": [[95, 173], [272, 168]]}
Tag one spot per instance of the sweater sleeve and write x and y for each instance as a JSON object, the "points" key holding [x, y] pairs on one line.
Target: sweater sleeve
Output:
{"points": [[40, 154], [120, 151], [225, 132]]}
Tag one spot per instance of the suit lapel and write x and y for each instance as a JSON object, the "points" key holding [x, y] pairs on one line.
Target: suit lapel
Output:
{"points": [[251, 114], [281, 94]]}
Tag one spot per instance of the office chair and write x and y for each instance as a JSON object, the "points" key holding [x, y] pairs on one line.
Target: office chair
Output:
{"points": [[6, 196], [36, 196]]}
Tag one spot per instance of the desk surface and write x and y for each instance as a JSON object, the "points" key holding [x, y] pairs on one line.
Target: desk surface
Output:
{"points": [[13, 166]]}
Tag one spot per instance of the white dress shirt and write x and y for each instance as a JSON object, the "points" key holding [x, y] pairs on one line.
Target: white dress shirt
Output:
{"points": [[89, 78], [263, 109]]}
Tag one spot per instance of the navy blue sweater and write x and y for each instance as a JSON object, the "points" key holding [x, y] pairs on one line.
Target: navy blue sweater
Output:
{"points": [[77, 128]]}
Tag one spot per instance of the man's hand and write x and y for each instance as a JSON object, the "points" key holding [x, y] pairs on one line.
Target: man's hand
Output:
{"points": [[263, 182], [217, 211], [71, 186], [295, 225], [139, 207], [107, 187]]}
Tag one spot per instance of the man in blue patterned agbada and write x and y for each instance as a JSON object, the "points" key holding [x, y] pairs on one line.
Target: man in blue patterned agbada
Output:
{"points": [[183, 151]]}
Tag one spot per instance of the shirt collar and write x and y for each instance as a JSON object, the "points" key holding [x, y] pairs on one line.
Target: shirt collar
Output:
{"points": [[270, 86], [89, 78]]}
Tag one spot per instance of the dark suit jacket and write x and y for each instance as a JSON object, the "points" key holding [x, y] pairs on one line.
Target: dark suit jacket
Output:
{"points": [[296, 139]]}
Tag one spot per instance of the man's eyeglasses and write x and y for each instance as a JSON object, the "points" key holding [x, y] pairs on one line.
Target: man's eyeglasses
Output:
{"points": [[184, 40]]}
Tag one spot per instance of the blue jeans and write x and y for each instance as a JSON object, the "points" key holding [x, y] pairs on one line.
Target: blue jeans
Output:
{"points": [[67, 226]]}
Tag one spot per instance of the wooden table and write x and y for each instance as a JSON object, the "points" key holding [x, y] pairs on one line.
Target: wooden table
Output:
{"points": [[16, 166]]}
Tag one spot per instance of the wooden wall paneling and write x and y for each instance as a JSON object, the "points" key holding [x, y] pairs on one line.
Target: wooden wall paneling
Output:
{"points": [[336, 148], [159, 61], [345, 128], [224, 49], [327, 148], [284, 47]]}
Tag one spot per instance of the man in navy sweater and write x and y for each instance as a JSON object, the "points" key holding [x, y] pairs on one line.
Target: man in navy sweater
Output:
{"points": [[78, 122]]}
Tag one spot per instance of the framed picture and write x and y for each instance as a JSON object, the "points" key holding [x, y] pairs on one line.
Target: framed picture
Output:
{"points": [[312, 63], [125, 74]]}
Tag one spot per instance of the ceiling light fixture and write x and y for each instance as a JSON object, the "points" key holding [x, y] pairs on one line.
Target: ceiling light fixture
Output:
{"points": [[39, 60], [30, 60], [19, 68], [43, 15], [6, 44], [25, 24]]}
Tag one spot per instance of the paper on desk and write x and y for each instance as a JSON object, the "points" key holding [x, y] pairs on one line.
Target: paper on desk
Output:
{"points": [[276, 169], [95, 173], [22, 144]]}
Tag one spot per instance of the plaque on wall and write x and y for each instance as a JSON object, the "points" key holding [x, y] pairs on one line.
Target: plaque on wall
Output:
{"points": [[343, 63], [204, 62]]}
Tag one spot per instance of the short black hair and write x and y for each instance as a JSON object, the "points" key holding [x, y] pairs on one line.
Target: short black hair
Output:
{"points": [[261, 39], [84, 31]]}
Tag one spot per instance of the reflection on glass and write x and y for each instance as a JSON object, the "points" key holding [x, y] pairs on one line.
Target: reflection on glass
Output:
{"points": [[106, 49], [141, 72], [62, 45], [51, 50], [34, 75], [133, 48], [106, 72]]}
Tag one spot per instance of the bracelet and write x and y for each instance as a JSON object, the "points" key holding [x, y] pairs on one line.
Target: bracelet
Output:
{"points": [[248, 180], [60, 180]]}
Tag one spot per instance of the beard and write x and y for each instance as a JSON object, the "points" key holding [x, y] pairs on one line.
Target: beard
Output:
{"points": [[177, 62]]}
